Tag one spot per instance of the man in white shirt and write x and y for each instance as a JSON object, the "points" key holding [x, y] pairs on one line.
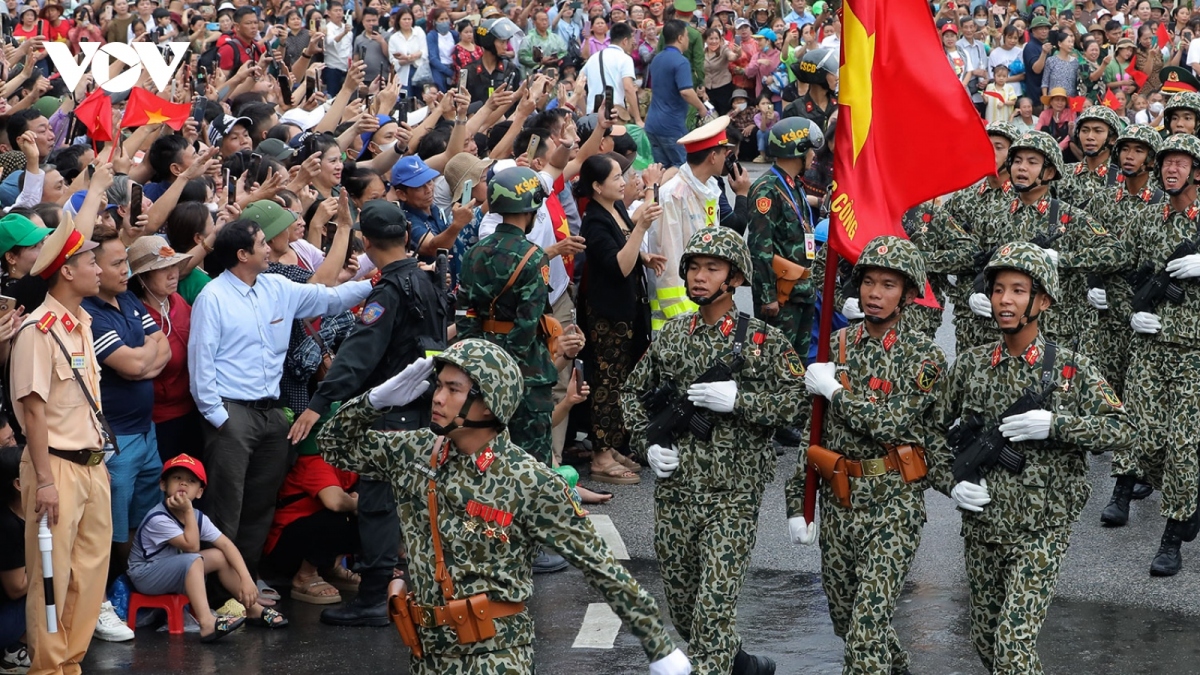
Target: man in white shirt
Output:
{"points": [[616, 73], [977, 59], [339, 41]]}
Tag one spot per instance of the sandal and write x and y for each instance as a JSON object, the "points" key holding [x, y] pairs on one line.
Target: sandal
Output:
{"points": [[615, 474], [627, 462], [342, 579], [315, 591], [225, 625], [270, 618], [267, 596]]}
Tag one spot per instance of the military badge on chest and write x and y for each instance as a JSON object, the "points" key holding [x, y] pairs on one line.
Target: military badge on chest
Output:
{"points": [[489, 520]]}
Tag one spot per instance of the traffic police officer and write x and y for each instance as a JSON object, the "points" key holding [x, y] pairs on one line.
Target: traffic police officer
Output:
{"points": [[708, 494], [473, 506], [402, 320], [1096, 131], [889, 375], [819, 70], [1164, 356], [1017, 526]]}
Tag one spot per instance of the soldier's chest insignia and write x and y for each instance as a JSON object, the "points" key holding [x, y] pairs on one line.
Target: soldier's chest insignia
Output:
{"points": [[1042, 206], [371, 313], [484, 459], [997, 354], [889, 340], [1012, 208], [794, 365], [1191, 212], [879, 384], [1102, 171], [1096, 227], [927, 375], [726, 325], [1110, 397], [546, 274], [578, 508], [763, 204], [1032, 355], [491, 519]]}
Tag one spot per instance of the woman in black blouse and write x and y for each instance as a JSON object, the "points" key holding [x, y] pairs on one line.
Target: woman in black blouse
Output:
{"points": [[616, 309]]}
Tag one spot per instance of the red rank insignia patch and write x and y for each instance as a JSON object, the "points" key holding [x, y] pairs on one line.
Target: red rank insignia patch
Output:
{"points": [[1016, 203], [1042, 206], [46, 322], [1032, 355], [484, 459], [763, 204], [67, 323], [997, 354], [889, 340], [726, 325]]}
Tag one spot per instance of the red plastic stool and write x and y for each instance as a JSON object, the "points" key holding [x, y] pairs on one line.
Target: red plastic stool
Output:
{"points": [[172, 603]]}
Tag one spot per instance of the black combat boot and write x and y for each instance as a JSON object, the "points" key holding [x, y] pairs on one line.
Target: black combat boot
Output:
{"points": [[787, 437], [549, 562], [1141, 490], [1116, 514], [368, 608], [1168, 561], [901, 670], [745, 664]]}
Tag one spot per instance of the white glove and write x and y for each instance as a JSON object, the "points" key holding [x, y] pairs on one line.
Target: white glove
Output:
{"points": [[1187, 267], [802, 532], [1053, 256], [1145, 322], [821, 380], [971, 497], [1030, 426], [664, 461], [675, 663], [716, 396], [404, 387], [1098, 298], [851, 309], [981, 304]]}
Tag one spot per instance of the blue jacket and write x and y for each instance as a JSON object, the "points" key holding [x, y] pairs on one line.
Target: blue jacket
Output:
{"points": [[441, 72]]}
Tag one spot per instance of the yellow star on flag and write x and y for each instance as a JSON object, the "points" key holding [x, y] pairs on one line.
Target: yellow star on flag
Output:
{"points": [[156, 117], [855, 78]]}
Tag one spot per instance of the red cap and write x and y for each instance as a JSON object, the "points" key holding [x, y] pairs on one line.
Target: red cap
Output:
{"points": [[186, 461]]}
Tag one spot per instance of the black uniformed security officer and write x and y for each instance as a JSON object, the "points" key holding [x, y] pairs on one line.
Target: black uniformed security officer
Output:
{"points": [[403, 320], [819, 69]]}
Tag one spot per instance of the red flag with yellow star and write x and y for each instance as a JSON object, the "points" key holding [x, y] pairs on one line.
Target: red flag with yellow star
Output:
{"points": [[144, 108], [907, 130]]}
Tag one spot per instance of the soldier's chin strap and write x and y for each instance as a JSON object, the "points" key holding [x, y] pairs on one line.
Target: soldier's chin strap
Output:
{"points": [[1186, 183], [708, 300], [1105, 146], [1026, 318], [1032, 186], [472, 396], [1134, 174]]}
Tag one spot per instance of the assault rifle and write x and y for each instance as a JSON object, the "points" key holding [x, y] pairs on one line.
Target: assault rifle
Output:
{"points": [[1151, 288]]}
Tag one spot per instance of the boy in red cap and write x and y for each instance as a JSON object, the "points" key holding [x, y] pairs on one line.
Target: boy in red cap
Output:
{"points": [[166, 556]]}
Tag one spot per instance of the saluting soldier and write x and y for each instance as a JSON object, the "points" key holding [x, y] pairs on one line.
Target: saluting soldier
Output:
{"points": [[1096, 131], [1164, 363], [474, 506], [710, 486], [55, 380], [402, 320], [781, 239], [1016, 526], [878, 421]]}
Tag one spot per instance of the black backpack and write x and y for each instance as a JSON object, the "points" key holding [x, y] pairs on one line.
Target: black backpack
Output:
{"points": [[210, 59]]}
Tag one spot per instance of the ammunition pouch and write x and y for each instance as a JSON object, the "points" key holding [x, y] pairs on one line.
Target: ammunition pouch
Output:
{"points": [[831, 467], [909, 461], [787, 274]]}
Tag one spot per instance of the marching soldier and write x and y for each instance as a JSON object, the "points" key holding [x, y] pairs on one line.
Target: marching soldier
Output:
{"points": [[946, 248], [969, 208], [1096, 131], [710, 486], [1017, 521], [1161, 389], [1077, 244], [781, 239], [474, 506], [403, 319], [889, 375]]}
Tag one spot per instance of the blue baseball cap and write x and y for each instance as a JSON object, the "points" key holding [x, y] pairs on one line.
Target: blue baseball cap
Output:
{"points": [[411, 172], [10, 189]]}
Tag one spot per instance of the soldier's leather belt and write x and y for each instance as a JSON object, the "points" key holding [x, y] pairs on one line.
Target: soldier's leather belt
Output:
{"points": [[84, 457], [445, 615], [497, 327], [870, 467]]}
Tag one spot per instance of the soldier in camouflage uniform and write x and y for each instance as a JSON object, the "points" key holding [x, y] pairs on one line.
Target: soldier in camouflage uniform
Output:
{"points": [[1077, 243], [1164, 364], [1134, 198], [493, 505], [1182, 114], [708, 494], [1096, 131], [969, 208], [891, 375], [1016, 526], [946, 248]]}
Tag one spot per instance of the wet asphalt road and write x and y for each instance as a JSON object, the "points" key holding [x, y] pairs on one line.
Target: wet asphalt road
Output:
{"points": [[1109, 616]]}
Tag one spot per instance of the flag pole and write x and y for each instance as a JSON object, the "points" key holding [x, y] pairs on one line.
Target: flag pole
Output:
{"points": [[824, 332]]}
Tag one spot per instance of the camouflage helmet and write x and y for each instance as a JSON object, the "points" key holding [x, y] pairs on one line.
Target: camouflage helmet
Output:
{"points": [[515, 190], [1140, 133], [892, 253], [493, 371], [718, 242], [1185, 143], [1043, 144], [815, 65], [1004, 130], [1030, 259], [794, 137], [1100, 113], [1184, 100]]}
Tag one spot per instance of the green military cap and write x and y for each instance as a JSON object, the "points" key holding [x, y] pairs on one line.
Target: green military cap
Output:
{"points": [[1140, 133], [1185, 143], [1039, 22], [1177, 78], [493, 371], [1043, 144], [515, 190], [793, 137], [47, 105], [892, 253], [1030, 259], [718, 242], [270, 216], [1004, 130]]}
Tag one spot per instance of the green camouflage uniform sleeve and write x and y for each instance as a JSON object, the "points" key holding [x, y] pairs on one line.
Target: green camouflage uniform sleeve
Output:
{"points": [[939, 455], [772, 393], [891, 419], [645, 377], [947, 247], [348, 442], [1097, 421], [559, 523], [1089, 245]]}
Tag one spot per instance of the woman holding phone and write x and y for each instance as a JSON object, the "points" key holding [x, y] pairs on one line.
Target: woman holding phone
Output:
{"points": [[409, 51]]}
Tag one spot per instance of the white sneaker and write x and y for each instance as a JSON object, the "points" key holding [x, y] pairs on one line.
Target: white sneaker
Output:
{"points": [[110, 627], [15, 660]]}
